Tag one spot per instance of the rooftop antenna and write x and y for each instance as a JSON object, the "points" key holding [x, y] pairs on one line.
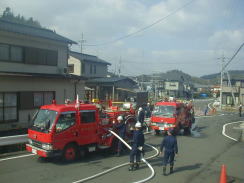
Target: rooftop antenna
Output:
{"points": [[81, 43]]}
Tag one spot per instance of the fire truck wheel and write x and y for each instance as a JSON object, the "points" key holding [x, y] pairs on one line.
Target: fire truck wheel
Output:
{"points": [[187, 131], [70, 153]]}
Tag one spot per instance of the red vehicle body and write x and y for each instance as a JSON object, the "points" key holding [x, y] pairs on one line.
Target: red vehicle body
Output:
{"points": [[69, 130], [167, 115]]}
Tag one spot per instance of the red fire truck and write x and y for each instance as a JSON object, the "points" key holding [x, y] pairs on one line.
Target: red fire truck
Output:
{"points": [[71, 130], [173, 114]]}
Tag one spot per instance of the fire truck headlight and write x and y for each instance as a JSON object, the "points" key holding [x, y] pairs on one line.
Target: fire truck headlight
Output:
{"points": [[47, 147], [30, 141]]}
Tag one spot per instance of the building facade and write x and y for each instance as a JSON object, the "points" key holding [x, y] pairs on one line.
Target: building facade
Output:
{"points": [[87, 65], [33, 72], [174, 88], [237, 88]]}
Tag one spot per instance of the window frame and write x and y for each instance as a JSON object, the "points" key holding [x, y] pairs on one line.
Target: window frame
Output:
{"points": [[87, 111], [43, 98], [17, 108], [63, 113], [9, 60], [71, 68]]}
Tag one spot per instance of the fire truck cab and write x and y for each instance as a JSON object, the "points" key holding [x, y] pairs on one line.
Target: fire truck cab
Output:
{"points": [[69, 130], [170, 115]]}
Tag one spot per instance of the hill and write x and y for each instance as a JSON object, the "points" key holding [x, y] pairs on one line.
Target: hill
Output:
{"points": [[175, 75], [234, 74]]}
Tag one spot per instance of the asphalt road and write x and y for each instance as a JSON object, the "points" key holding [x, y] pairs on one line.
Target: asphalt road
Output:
{"points": [[200, 158]]}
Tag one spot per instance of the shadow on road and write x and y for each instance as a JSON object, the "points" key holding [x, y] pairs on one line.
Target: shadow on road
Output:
{"points": [[188, 167]]}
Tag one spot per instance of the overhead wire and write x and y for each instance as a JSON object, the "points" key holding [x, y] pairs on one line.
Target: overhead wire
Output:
{"points": [[144, 28], [238, 50]]}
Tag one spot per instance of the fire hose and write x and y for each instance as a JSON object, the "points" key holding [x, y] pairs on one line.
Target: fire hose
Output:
{"points": [[124, 164]]}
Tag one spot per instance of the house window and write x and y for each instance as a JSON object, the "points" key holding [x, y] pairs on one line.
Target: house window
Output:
{"points": [[42, 98], [71, 68], [87, 116], [11, 53], [8, 107], [16, 53], [41, 56], [4, 52]]}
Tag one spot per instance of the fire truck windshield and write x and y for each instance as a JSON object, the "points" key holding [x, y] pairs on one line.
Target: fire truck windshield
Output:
{"points": [[44, 120], [164, 111]]}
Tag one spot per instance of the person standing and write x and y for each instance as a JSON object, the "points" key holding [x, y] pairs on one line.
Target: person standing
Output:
{"points": [[206, 111], [148, 110], [141, 115], [137, 147], [121, 127], [170, 147], [240, 109]]}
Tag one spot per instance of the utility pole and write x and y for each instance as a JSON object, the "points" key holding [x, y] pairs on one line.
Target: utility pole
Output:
{"points": [[81, 43], [221, 79], [119, 69]]}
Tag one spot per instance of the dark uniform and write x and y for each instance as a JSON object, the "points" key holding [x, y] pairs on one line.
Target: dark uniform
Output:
{"points": [[141, 116], [169, 144], [138, 141], [121, 132]]}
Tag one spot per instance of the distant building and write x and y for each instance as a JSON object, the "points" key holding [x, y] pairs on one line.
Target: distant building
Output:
{"points": [[237, 88], [112, 88], [33, 72], [174, 88], [87, 65]]}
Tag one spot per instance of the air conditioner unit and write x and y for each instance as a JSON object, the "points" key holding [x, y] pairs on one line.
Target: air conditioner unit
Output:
{"points": [[65, 71]]}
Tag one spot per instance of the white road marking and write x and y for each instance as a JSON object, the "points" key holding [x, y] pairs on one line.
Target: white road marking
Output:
{"points": [[124, 164], [16, 157], [223, 130]]}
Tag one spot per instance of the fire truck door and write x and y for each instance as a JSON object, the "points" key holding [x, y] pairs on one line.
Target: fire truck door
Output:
{"points": [[89, 127], [65, 129]]}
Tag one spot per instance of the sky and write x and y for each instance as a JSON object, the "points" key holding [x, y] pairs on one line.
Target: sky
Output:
{"points": [[192, 36]]}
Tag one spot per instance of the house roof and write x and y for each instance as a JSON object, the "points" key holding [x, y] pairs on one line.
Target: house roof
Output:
{"points": [[42, 75], [110, 80], [88, 58], [196, 85], [32, 31]]}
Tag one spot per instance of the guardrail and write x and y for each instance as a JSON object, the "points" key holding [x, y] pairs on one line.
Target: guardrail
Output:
{"points": [[11, 140]]}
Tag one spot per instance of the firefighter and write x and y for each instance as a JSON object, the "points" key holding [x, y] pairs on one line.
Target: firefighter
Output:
{"points": [[121, 127], [148, 110], [169, 144], [137, 147], [141, 115]]}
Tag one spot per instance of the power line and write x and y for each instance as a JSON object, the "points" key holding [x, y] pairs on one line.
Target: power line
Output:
{"points": [[144, 28], [233, 57]]}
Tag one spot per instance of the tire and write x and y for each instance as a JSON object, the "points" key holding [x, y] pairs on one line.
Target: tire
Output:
{"points": [[187, 131], [70, 153]]}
